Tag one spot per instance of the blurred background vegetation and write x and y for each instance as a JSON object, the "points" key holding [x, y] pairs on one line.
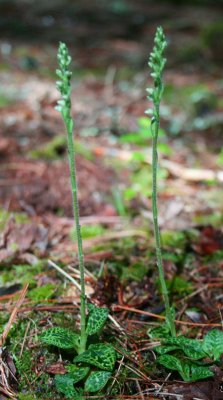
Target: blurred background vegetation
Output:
{"points": [[195, 27]]}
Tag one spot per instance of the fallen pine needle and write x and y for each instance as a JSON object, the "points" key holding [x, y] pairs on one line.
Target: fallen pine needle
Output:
{"points": [[149, 314]]}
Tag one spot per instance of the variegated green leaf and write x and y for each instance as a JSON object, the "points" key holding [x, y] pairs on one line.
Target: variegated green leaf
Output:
{"points": [[65, 385], [192, 348], [77, 373], [96, 320], [213, 344], [170, 362], [163, 349], [200, 372], [161, 332], [174, 363], [100, 355], [96, 381], [61, 337], [189, 370]]}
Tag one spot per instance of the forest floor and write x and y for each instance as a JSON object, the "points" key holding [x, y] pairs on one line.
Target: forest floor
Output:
{"points": [[113, 145]]}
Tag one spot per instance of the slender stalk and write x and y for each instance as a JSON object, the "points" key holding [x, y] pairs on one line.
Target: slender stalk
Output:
{"points": [[64, 106], [157, 63]]}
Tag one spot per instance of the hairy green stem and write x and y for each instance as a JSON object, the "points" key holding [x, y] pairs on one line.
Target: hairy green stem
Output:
{"points": [[72, 164], [169, 315]]}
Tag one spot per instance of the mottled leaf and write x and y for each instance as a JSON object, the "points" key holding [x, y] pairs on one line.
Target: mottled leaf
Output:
{"points": [[170, 362], [160, 332], [192, 348], [96, 381], [163, 349], [77, 373], [96, 320], [100, 355], [65, 385], [213, 344], [188, 370], [200, 372], [174, 363], [60, 337]]}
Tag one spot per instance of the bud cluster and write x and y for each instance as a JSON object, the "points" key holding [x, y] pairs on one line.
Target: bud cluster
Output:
{"points": [[157, 63], [63, 84]]}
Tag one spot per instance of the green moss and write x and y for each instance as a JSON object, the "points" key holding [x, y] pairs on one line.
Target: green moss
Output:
{"points": [[32, 386], [52, 150], [24, 365], [56, 149], [20, 218], [4, 317], [174, 239], [214, 219], [35, 356], [134, 272], [42, 293], [21, 274], [88, 231], [28, 396]]}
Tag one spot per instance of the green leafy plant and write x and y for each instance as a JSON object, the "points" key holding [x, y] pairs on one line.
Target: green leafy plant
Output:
{"points": [[97, 355], [157, 63], [64, 107], [191, 358]]}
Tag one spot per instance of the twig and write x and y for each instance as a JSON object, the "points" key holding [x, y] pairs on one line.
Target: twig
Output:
{"points": [[24, 339], [140, 390], [134, 310], [116, 375], [79, 288], [13, 314]]}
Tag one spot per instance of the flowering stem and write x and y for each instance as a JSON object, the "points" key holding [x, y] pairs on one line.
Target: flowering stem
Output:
{"points": [[157, 62], [64, 106]]}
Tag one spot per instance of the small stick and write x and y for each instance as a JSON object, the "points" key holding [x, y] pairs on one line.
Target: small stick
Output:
{"points": [[79, 288], [24, 339], [13, 314]]}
